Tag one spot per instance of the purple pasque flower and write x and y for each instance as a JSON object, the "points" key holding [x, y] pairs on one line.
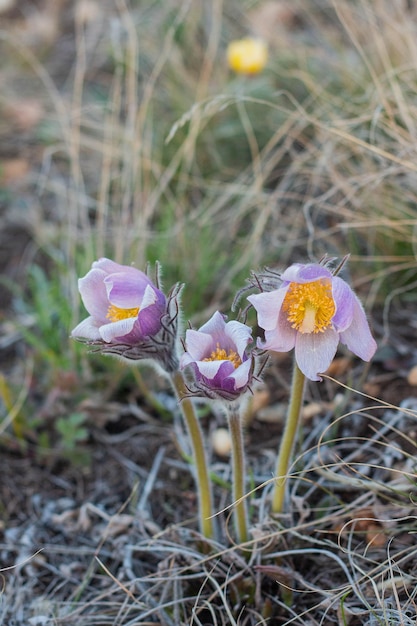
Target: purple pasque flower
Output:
{"points": [[123, 303], [312, 311], [130, 317], [217, 354]]}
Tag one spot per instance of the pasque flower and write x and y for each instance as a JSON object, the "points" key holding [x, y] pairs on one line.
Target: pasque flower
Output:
{"points": [[223, 370], [217, 354], [247, 56], [312, 311], [123, 303], [131, 317]]}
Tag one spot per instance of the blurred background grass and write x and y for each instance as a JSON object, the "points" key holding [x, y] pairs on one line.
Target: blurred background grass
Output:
{"points": [[124, 133]]}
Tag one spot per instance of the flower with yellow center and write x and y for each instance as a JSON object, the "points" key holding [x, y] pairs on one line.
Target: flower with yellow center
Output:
{"points": [[312, 311], [220, 354], [247, 56], [115, 313], [310, 306], [217, 353], [124, 305]]}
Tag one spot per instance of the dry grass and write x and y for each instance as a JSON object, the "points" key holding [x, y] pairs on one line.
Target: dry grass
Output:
{"points": [[139, 144], [343, 554]]}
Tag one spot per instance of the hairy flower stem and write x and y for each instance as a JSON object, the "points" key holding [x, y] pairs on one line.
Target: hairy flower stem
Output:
{"points": [[199, 454], [288, 438], [238, 462]]}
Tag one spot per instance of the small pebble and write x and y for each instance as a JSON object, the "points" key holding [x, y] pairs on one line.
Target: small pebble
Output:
{"points": [[412, 376], [221, 442]]}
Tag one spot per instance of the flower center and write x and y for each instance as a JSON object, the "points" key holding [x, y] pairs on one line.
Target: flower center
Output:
{"points": [[115, 314], [220, 354], [310, 307]]}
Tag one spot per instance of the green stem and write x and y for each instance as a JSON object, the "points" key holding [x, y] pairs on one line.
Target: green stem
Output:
{"points": [[199, 454], [288, 438], [238, 463]]}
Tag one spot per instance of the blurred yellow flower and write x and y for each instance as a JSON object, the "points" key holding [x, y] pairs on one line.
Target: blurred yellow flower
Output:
{"points": [[247, 56]]}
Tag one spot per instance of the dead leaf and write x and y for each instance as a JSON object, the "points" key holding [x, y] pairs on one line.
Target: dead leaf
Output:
{"points": [[13, 171], [118, 524], [25, 114], [363, 522], [281, 575], [89, 516], [272, 16], [339, 366], [312, 409], [260, 399], [412, 376]]}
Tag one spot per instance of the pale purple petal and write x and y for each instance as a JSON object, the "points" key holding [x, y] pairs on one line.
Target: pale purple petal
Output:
{"points": [[315, 351], [211, 369], [117, 330], [215, 325], [241, 374], [108, 266], [240, 336], [148, 323], [268, 306], [186, 359], [93, 294], [111, 267], [199, 345], [224, 378], [290, 275], [280, 339], [305, 273], [126, 289], [358, 336], [344, 299], [151, 310], [87, 329], [150, 297]]}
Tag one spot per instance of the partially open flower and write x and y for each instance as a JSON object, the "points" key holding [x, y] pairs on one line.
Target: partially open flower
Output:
{"points": [[312, 311], [129, 316], [124, 304], [247, 56], [217, 354]]}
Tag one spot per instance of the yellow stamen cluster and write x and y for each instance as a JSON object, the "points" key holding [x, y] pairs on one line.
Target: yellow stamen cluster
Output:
{"points": [[115, 314], [220, 354], [310, 307]]}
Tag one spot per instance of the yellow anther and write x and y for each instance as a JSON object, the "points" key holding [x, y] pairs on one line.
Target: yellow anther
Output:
{"points": [[220, 354], [115, 313], [310, 307]]}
